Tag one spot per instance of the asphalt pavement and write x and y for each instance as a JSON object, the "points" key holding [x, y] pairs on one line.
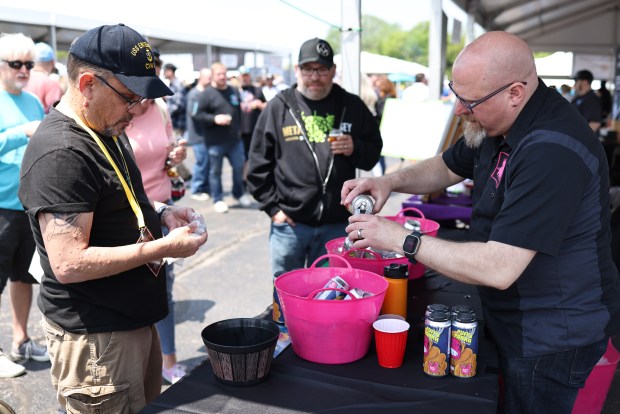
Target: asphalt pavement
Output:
{"points": [[229, 277]]}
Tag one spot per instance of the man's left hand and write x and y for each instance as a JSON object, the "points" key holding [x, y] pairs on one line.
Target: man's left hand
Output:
{"points": [[343, 145], [175, 216]]}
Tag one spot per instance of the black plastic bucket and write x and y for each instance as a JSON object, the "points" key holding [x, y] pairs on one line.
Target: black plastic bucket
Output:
{"points": [[241, 349]]}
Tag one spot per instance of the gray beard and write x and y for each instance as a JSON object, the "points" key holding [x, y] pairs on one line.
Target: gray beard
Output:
{"points": [[474, 134]]}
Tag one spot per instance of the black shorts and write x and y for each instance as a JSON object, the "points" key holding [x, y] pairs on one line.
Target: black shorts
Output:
{"points": [[16, 247]]}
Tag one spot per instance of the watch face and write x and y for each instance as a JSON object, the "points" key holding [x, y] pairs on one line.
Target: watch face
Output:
{"points": [[409, 246]]}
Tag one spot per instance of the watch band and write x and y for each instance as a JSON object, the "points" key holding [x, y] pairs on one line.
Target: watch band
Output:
{"points": [[160, 211]]}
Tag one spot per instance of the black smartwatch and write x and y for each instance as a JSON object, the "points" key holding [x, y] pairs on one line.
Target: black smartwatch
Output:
{"points": [[411, 245]]}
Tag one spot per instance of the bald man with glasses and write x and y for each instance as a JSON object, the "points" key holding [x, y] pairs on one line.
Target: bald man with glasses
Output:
{"points": [[539, 239]]}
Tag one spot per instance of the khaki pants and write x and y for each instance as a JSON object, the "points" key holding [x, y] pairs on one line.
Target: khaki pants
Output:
{"points": [[110, 372]]}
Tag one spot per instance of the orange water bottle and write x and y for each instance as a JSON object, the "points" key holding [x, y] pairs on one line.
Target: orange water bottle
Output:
{"points": [[395, 301]]}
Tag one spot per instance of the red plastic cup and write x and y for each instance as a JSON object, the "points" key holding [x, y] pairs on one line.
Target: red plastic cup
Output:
{"points": [[391, 340]]}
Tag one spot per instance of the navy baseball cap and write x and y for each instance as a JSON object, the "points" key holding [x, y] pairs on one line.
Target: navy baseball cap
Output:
{"points": [[316, 50], [124, 52], [584, 75]]}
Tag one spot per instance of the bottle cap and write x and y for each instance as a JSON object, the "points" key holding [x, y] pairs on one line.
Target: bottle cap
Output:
{"points": [[465, 317], [438, 316], [396, 271]]}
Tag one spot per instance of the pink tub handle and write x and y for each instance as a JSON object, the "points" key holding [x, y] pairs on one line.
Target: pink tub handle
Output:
{"points": [[330, 255], [377, 255], [314, 292], [402, 212]]}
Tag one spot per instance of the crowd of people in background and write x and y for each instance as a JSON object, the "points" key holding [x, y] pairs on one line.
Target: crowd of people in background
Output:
{"points": [[242, 117]]}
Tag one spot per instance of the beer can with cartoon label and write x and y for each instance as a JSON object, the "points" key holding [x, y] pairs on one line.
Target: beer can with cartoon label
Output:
{"points": [[437, 344], [464, 345]]}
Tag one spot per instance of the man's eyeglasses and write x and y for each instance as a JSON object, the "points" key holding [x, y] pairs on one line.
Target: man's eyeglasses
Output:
{"points": [[17, 64], [307, 71], [130, 103], [470, 105]]}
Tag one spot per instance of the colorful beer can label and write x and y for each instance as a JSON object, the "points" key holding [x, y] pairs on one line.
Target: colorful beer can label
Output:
{"points": [[464, 347], [437, 344], [276, 313]]}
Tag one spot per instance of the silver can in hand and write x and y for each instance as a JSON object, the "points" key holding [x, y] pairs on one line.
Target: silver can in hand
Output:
{"points": [[361, 204]]}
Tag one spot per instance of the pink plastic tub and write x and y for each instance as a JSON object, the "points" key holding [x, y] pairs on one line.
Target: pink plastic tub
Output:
{"points": [[329, 331], [376, 264], [591, 397]]}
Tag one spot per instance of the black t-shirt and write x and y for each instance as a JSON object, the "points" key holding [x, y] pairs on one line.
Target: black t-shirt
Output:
{"points": [[249, 116], [65, 171]]}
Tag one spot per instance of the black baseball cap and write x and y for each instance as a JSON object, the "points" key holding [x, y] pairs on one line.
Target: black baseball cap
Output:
{"points": [[316, 50], [584, 75], [124, 52]]}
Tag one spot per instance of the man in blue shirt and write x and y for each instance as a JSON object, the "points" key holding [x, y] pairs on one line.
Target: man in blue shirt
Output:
{"points": [[20, 114]]}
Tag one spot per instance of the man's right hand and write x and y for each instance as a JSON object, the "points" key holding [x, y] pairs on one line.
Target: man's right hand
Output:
{"points": [[223, 119], [280, 217], [183, 242]]}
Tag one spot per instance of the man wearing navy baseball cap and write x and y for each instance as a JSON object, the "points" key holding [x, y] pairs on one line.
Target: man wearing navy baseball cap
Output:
{"points": [[586, 101], [99, 237]]}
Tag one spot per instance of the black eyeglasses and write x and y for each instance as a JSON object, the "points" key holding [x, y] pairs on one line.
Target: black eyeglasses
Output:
{"points": [[306, 71], [470, 105], [17, 64], [130, 103]]}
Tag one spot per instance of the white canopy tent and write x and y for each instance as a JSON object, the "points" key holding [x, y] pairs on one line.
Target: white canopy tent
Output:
{"points": [[379, 64]]}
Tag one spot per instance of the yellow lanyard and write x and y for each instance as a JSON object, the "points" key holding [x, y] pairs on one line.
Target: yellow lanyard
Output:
{"points": [[131, 195]]}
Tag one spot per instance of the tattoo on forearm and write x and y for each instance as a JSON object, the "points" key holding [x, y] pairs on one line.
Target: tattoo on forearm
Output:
{"points": [[62, 224]]}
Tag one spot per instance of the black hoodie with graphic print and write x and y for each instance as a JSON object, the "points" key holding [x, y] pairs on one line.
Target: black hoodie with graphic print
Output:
{"points": [[291, 166]]}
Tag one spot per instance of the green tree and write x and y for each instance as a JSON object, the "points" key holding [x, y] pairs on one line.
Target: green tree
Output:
{"points": [[388, 39]]}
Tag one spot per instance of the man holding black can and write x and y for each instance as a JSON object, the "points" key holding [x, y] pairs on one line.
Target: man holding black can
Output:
{"points": [[295, 170], [539, 235]]}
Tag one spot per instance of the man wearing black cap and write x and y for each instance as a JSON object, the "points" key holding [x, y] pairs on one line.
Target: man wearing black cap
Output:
{"points": [[297, 167], [586, 101], [99, 238]]}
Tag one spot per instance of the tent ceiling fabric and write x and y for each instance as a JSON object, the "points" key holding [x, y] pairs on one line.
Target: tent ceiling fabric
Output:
{"points": [[580, 26]]}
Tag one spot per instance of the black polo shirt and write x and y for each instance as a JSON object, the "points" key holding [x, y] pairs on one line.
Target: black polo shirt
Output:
{"points": [[545, 188], [589, 106]]}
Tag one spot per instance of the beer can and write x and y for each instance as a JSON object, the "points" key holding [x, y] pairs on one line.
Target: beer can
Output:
{"points": [[276, 312], [334, 283], [361, 204], [413, 225], [358, 294], [464, 345], [437, 344]]}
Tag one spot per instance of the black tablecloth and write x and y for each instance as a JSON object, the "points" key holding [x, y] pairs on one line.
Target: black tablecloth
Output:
{"points": [[298, 386]]}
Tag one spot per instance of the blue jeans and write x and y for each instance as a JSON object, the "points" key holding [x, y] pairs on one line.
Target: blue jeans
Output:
{"points": [[548, 383], [165, 327], [299, 246], [234, 152], [200, 172]]}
